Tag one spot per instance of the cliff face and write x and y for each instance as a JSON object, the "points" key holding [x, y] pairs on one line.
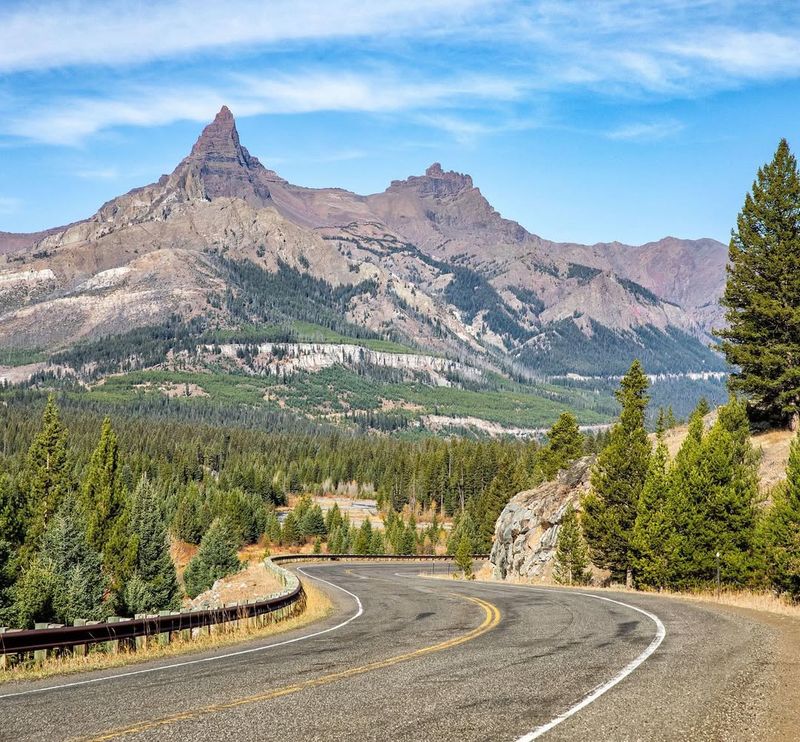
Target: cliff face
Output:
{"points": [[527, 529]]}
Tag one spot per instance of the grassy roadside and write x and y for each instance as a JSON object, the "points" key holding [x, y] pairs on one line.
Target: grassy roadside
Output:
{"points": [[318, 605]]}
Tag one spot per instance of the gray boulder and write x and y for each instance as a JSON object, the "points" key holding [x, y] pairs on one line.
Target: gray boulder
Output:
{"points": [[527, 529]]}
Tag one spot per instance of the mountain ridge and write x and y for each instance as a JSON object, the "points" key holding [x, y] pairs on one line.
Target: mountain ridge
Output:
{"points": [[444, 268]]}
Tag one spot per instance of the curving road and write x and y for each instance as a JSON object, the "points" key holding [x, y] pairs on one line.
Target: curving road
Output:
{"points": [[405, 657]]}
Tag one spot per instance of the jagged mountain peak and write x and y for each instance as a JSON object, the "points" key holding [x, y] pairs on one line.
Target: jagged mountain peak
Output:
{"points": [[220, 167], [220, 139]]}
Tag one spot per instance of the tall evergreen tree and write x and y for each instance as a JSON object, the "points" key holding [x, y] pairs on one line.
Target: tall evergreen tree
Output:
{"points": [[656, 540], [762, 295], [782, 530], [45, 477], [723, 498], [153, 584], [501, 489], [103, 499], [216, 558], [364, 538], [64, 580], [609, 510], [464, 526], [572, 556], [565, 444], [464, 557], [290, 533]]}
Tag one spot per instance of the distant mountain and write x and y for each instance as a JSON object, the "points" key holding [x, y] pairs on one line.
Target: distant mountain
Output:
{"points": [[223, 243]]}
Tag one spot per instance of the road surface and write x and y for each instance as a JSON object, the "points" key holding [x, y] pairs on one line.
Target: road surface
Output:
{"points": [[405, 657]]}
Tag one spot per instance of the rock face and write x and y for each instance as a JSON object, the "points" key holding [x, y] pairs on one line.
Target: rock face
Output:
{"points": [[527, 529]]}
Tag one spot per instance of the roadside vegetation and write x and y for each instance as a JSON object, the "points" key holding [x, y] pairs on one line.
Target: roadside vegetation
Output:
{"points": [[317, 606], [88, 508], [698, 521]]}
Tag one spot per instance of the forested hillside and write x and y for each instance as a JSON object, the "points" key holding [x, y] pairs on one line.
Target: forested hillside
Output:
{"points": [[86, 505]]}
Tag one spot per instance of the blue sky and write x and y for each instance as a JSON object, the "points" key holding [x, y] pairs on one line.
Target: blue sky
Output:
{"points": [[584, 121]]}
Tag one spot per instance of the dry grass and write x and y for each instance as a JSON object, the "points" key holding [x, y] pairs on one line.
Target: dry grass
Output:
{"points": [[317, 607], [756, 601]]}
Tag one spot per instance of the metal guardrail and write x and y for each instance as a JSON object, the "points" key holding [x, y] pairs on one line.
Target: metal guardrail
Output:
{"points": [[290, 558], [21, 641]]}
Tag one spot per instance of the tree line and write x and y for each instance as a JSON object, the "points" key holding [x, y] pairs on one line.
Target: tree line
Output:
{"points": [[87, 508], [689, 522]]}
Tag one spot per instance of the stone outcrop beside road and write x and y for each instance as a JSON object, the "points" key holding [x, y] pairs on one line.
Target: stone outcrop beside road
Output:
{"points": [[527, 529]]}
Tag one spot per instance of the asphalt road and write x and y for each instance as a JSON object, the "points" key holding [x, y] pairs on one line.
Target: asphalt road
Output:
{"points": [[403, 657]]}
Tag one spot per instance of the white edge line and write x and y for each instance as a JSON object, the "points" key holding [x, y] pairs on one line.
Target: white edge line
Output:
{"points": [[105, 678], [593, 695]]}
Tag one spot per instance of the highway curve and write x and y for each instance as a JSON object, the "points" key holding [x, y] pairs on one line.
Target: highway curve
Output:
{"points": [[405, 657]]}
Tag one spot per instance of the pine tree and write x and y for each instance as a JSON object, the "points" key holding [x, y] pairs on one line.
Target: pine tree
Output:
{"points": [[153, 584], [609, 511], [572, 555], [313, 522], [714, 490], [64, 580], [494, 499], [565, 444], [782, 530], [655, 539], [216, 558], [45, 476], [464, 557], [103, 501], [376, 543], [363, 539], [762, 295], [7, 577], [463, 526], [290, 533], [333, 518]]}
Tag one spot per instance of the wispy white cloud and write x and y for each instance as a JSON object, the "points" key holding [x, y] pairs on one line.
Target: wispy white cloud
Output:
{"points": [[68, 121], [49, 34], [509, 51], [646, 132], [467, 130]]}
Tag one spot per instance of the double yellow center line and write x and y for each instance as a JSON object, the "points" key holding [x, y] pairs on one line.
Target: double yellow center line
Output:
{"points": [[491, 619]]}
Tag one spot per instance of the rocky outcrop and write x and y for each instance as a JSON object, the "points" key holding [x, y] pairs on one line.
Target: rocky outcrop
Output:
{"points": [[288, 358], [527, 529]]}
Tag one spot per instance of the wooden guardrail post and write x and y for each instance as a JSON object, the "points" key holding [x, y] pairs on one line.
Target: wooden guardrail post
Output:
{"points": [[40, 655], [163, 637], [112, 646], [3, 657], [79, 650], [140, 642]]}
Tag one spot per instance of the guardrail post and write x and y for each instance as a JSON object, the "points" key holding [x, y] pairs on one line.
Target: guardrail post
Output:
{"points": [[186, 634], [3, 657], [40, 655], [112, 645], [140, 642], [163, 637], [234, 624], [79, 650]]}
